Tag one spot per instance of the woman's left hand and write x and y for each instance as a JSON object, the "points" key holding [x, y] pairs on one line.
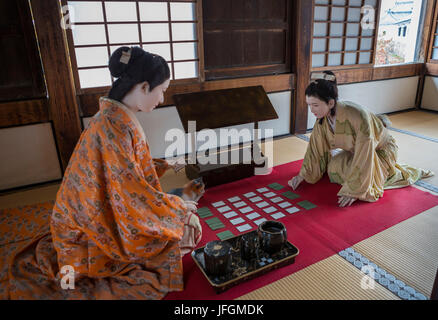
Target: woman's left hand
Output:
{"points": [[191, 206], [345, 201], [194, 222]]}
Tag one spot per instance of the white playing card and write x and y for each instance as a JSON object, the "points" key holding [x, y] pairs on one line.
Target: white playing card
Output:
{"points": [[218, 204], [244, 227], [259, 221], [245, 210], [277, 215], [292, 210], [237, 221], [261, 190], [224, 209], [253, 215], [284, 204], [255, 199], [230, 214], [234, 199], [249, 194], [269, 194], [269, 209], [276, 199], [262, 204], [239, 204]]}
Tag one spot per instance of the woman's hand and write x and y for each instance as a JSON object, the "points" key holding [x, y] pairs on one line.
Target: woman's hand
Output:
{"points": [[194, 222], [176, 164], [346, 201], [295, 182], [191, 206]]}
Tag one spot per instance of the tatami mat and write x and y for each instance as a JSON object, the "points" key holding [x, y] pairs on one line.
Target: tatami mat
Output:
{"points": [[330, 279], [408, 250], [426, 123], [31, 195], [419, 153]]}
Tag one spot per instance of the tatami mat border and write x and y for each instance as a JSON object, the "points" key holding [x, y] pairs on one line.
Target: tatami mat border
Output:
{"points": [[303, 137], [427, 186], [414, 134], [377, 274]]}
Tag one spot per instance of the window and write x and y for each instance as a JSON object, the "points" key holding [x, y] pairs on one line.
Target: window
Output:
{"points": [[398, 30], [167, 28], [343, 33]]}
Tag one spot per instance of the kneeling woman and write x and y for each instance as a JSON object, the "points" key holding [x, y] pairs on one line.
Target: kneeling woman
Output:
{"points": [[367, 162], [114, 234]]}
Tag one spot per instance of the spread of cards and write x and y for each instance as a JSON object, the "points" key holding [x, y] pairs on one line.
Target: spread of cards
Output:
{"points": [[246, 211]]}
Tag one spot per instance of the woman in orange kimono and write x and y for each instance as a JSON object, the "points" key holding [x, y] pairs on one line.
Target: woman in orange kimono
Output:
{"points": [[112, 225]]}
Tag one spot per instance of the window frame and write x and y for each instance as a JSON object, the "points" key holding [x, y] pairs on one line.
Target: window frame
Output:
{"points": [[344, 36], [433, 36], [104, 89]]}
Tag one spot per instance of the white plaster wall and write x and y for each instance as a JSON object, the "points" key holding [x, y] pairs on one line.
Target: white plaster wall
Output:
{"points": [[28, 156], [158, 122], [430, 94], [378, 96], [282, 105]]}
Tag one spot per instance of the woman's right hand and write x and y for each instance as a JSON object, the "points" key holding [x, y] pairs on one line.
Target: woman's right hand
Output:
{"points": [[295, 182]]}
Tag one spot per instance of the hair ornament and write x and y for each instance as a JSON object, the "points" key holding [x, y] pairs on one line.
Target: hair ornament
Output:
{"points": [[323, 76], [126, 56]]}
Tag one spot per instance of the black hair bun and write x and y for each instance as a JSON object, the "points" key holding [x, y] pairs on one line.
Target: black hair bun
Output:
{"points": [[136, 67], [116, 67]]}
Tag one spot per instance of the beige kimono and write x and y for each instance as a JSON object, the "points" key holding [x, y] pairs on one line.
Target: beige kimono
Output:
{"points": [[367, 163]]}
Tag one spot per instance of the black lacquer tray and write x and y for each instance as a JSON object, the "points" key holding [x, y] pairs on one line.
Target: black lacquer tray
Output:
{"points": [[242, 270]]}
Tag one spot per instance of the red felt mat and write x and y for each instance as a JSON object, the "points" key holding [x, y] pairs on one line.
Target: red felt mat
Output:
{"points": [[318, 233]]}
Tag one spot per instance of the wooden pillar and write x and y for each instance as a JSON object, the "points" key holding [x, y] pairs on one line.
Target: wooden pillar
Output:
{"points": [[63, 107], [303, 12], [434, 294], [426, 46]]}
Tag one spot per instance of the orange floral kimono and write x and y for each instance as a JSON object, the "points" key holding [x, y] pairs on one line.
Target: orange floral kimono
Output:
{"points": [[111, 223]]}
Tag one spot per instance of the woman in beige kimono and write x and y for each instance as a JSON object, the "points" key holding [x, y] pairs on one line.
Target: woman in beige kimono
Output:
{"points": [[367, 162]]}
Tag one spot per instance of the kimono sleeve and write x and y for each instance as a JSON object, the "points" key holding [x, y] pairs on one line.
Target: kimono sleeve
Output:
{"points": [[145, 220], [363, 180], [316, 157]]}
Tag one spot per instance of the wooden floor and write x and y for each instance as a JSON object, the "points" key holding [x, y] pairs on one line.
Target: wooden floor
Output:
{"points": [[408, 250]]}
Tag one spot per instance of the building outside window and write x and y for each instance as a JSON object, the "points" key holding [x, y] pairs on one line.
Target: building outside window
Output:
{"points": [[398, 30]]}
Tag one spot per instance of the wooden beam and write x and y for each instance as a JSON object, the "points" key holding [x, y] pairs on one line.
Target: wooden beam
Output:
{"points": [[402, 71], [432, 69], [363, 74], [200, 37], [63, 108], [90, 101], [302, 45], [25, 112]]}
